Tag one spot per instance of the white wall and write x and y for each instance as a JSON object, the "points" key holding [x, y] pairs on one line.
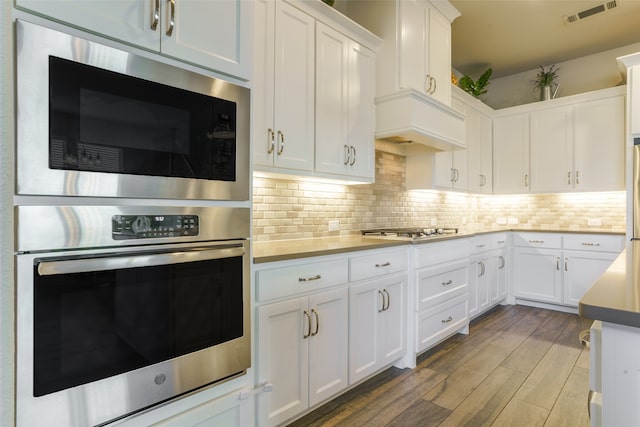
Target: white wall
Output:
{"points": [[6, 217], [598, 71]]}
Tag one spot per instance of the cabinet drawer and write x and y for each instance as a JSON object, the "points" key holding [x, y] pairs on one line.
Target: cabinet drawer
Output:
{"points": [[592, 242], [436, 285], [441, 321], [480, 244], [377, 264], [499, 240], [437, 253], [538, 240], [292, 280]]}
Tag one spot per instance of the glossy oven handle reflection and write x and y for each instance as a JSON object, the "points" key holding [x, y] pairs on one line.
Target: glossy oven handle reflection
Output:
{"points": [[82, 265]]}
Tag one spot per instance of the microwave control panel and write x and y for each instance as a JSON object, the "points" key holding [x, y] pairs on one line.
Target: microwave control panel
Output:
{"points": [[125, 227]]}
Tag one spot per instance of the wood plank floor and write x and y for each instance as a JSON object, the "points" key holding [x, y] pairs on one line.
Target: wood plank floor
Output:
{"points": [[519, 366]]}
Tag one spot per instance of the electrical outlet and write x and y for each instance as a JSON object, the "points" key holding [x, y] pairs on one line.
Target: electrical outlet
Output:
{"points": [[334, 225], [594, 222]]}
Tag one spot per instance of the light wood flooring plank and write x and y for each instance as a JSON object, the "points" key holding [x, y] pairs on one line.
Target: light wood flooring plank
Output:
{"points": [[527, 356], [521, 414], [487, 401], [570, 408], [544, 384]]}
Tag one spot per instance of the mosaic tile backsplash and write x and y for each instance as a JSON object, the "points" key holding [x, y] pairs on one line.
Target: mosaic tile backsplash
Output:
{"points": [[291, 209]]}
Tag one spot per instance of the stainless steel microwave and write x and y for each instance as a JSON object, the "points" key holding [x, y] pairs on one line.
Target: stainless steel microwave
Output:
{"points": [[97, 121]]}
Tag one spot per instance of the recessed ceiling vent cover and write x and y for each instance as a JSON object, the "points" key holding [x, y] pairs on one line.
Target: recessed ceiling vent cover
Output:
{"points": [[583, 14]]}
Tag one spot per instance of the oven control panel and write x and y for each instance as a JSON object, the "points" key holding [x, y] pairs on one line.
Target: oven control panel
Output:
{"points": [[125, 227]]}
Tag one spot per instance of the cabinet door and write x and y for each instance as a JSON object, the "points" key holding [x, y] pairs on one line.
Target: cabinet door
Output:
{"points": [[126, 20], [501, 275], [212, 34], [511, 154], [485, 139], [551, 150], [443, 172], [392, 319], [439, 56], [460, 176], [362, 68], [581, 270], [328, 344], [365, 303], [538, 274], [599, 145], [479, 281], [333, 150], [294, 88], [283, 360], [414, 19]]}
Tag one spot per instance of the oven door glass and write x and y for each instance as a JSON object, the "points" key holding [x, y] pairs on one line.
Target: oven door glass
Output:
{"points": [[99, 317], [103, 121]]}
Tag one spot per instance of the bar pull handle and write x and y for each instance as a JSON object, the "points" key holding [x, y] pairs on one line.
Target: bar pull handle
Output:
{"points": [[388, 299], [156, 15], [447, 283], [172, 17], [280, 142], [271, 143], [526, 180], [558, 263], [308, 333], [569, 177], [353, 156], [309, 279], [566, 264], [384, 264], [315, 314], [502, 262], [578, 177], [383, 301], [447, 320], [347, 154]]}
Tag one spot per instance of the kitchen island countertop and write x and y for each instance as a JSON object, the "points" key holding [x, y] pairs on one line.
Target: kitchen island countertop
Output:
{"points": [[281, 250], [615, 297]]}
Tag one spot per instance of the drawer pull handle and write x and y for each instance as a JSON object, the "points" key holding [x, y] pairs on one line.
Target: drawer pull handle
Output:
{"points": [[590, 244], [447, 320], [315, 313], [480, 246], [309, 279], [500, 242], [384, 264], [536, 241], [447, 283], [308, 333], [502, 262]]}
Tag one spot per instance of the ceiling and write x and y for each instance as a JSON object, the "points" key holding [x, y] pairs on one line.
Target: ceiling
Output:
{"points": [[512, 36]]}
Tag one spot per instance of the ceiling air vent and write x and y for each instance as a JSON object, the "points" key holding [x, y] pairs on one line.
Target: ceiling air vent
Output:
{"points": [[583, 14]]}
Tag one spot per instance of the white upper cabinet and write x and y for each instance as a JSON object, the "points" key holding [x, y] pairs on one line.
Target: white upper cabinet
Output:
{"points": [[511, 154], [313, 92], [551, 150], [598, 153], [344, 105], [569, 144], [425, 50], [283, 86], [214, 35]]}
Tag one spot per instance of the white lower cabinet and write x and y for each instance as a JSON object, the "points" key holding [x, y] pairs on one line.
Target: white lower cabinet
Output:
{"points": [[324, 323], [441, 287], [302, 347], [376, 325], [559, 268]]}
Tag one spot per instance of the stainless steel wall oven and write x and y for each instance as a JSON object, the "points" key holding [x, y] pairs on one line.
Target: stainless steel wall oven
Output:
{"points": [[122, 308], [98, 121], [133, 229]]}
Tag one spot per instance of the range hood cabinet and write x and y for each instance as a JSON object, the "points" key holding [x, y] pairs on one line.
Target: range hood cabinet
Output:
{"points": [[409, 116]]}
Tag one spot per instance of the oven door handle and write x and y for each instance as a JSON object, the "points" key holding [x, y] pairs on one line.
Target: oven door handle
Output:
{"points": [[48, 268]]}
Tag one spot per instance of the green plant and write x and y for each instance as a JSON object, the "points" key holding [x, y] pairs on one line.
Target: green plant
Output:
{"points": [[476, 89], [545, 78]]}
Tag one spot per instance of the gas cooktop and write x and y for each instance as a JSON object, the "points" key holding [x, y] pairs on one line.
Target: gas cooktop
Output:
{"points": [[412, 233]]}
